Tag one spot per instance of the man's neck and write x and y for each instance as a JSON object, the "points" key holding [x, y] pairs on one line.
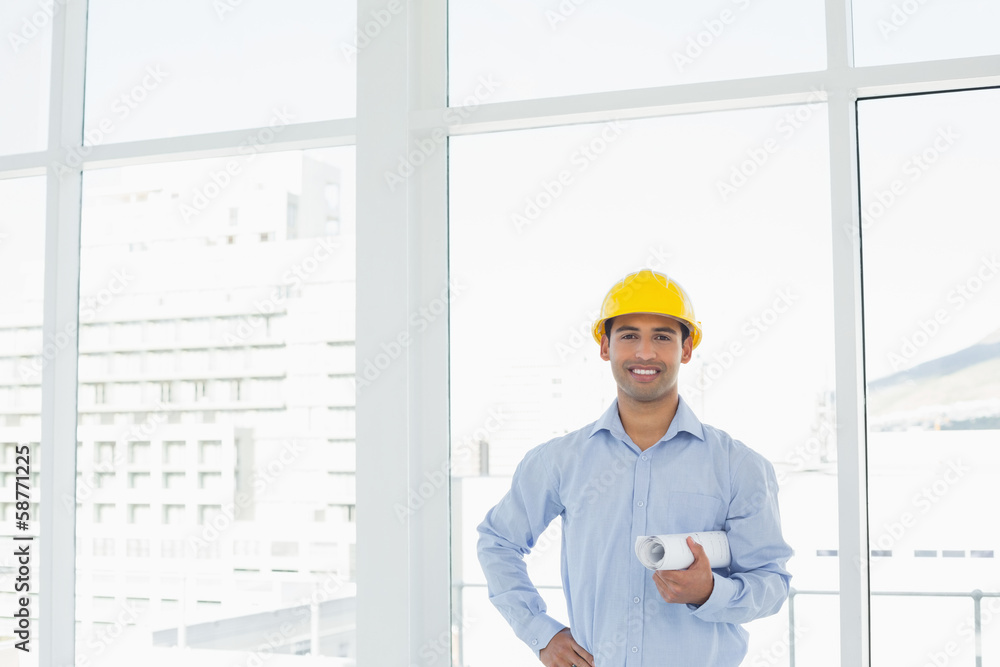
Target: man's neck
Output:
{"points": [[647, 423]]}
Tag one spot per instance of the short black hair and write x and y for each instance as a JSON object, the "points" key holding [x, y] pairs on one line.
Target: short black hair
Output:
{"points": [[684, 329]]}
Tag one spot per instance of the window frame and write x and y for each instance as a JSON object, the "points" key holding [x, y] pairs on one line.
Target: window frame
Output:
{"points": [[402, 238]]}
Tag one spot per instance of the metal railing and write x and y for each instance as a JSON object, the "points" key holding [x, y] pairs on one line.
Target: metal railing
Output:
{"points": [[976, 595]]}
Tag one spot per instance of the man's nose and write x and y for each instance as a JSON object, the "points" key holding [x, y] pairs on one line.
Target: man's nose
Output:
{"points": [[645, 350]]}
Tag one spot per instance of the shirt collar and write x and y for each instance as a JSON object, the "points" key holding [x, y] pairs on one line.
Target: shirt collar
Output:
{"points": [[684, 420]]}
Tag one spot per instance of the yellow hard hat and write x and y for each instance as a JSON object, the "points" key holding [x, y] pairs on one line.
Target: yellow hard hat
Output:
{"points": [[648, 292]]}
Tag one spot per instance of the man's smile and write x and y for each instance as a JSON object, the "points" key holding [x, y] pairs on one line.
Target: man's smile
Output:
{"points": [[643, 373]]}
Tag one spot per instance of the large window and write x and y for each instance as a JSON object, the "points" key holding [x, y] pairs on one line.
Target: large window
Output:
{"points": [[23, 355], [932, 333], [204, 457], [196, 67], [577, 47], [230, 230], [213, 296], [24, 75], [886, 31], [598, 201]]}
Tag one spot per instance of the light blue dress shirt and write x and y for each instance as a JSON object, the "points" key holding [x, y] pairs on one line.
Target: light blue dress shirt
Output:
{"points": [[609, 492]]}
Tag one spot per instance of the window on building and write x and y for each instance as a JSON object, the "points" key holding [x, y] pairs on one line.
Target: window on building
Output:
{"points": [[210, 452], [104, 452], [104, 513], [139, 453], [172, 548], [140, 480], [210, 481], [137, 548], [208, 513], [174, 481], [284, 549], [104, 547], [139, 513], [174, 452], [173, 515]]}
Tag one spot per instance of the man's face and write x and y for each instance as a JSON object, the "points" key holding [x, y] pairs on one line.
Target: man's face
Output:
{"points": [[646, 352]]}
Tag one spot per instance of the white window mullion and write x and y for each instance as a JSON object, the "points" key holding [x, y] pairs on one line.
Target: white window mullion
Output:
{"points": [[57, 572], [599, 107], [384, 598], [429, 475], [927, 77], [23, 164], [402, 398], [850, 385], [296, 136], [852, 475]]}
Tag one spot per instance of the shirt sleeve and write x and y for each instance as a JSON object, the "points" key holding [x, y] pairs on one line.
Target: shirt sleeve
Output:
{"points": [[509, 531], [758, 582]]}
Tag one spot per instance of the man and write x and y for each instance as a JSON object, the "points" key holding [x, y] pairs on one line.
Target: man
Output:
{"points": [[648, 466]]}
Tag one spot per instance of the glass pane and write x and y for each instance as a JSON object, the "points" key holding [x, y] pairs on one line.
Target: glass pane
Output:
{"points": [[739, 214], [215, 494], [23, 354], [932, 353], [25, 74], [197, 67], [520, 49], [902, 31]]}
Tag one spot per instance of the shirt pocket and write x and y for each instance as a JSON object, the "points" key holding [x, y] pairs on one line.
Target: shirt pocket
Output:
{"points": [[691, 512]]}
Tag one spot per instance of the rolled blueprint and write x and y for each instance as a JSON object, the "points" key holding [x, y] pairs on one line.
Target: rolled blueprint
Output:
{"points": [[671, 552]]}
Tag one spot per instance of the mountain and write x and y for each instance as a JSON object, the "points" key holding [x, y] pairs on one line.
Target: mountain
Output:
{"points": [[957, 391]]}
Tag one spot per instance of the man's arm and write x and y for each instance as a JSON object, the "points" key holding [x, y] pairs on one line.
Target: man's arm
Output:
{"points": [[509, 532], [758, 582]]}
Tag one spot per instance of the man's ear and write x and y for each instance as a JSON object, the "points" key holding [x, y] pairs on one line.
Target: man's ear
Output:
{"points": [[687, 349], [605, 348]]}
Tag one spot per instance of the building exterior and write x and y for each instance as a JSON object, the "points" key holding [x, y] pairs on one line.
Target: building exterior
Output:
{"points": [[215, 454]]}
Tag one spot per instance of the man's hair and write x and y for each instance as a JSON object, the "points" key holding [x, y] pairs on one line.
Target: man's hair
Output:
{"points": [[684, 330]]}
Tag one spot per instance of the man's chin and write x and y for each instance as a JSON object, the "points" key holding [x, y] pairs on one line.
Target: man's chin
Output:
{"points": [[644, 394]]}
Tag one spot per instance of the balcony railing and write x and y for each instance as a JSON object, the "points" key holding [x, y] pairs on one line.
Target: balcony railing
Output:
{"points": [[976, 596]]}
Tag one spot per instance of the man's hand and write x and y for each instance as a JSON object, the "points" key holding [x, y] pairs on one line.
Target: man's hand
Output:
{"points": [[563, 651], [690, 586]]}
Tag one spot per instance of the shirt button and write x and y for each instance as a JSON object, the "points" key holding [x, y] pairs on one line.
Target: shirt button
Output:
{"points": [[636, 599], [635, 649], [644, 457], [640, 503], [534, 642]]}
